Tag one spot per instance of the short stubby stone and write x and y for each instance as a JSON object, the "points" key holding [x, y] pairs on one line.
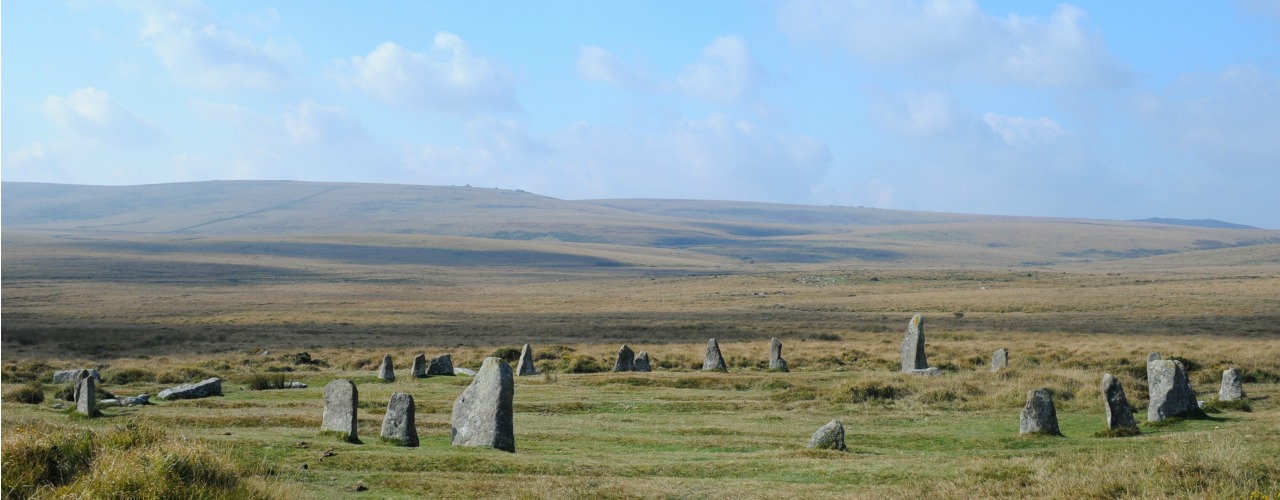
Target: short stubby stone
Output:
{"points": [[642, 363], [86, 397], [419, 366], [1039, 416], [1231, 389], [482, 415], [1154, 356], [441, 365], [999, 359], [398, 424], [713, 361], [829, 437], [626, 359], [912, 349], [1119, 413], [340, 401], [775, 356], [525, 367], [387, 370], [69, 376], [1170, 390], [202, 389]]}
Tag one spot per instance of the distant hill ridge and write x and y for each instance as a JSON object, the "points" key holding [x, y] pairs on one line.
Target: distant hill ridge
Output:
{"points": [[1209, 223]]}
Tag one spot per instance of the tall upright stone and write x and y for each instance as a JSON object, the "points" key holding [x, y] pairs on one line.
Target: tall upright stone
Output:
{"points": [[999, 359], [441, 365], [775, 356], [387, 370], [713, 361], [340, 401], [626, 359], [1231, 389], [829, 437], [526, 362], [642, 363], [398, 424], [86, 395], [482, 415], [1170, 389], [912, 349], [1039, 415], [420, 366], [1119, 413]]}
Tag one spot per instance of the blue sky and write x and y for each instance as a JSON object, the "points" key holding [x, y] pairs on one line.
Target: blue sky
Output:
{"points": [[1114, 110]]}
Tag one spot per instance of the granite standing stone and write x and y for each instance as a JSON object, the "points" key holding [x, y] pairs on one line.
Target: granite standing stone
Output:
{"points": [[1170, 389], [775, 356], [441, 365], [420, 366], [713, 362], [526, 362], [829, 437], [387, 370], [1119, 413], [340, 401], [1039, 416], [912, 349], [86, 397], [482, 415], [202, 389], [626, 359], [642, 363], [999, 359], [1231, 389], [398, 424]]}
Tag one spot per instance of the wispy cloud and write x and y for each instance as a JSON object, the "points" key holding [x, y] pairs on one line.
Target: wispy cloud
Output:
{"points": [[447, 77], [200, 52]]}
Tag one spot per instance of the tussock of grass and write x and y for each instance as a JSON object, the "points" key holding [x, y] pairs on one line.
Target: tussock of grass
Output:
{"points": [[1216, 406], [1118, 432], [31, 393], [260, 382]]}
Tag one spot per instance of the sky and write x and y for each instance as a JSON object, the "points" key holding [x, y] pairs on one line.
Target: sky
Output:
{"points": [[1112, 110]]}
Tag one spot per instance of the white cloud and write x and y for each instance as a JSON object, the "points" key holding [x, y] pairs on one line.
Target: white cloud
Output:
{"points": [[599, 65], [914, 114], [1020, 131], [726, 72], [312, 122], [445, 78], [92, 114], [955, 39], [199, 52]]}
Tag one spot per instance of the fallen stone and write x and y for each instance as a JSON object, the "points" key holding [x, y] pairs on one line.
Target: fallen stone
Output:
{"points": [[295, 385], [142, 399], [526, 367], [398, 425], [1119, 413], [713, 361], [387, 370], [912, 349], [775, 356], [1039, 416], [441, 365], [1231, 389], [999, 359], [642, 363], [482, 415], [1170, 390], [69, 376], [203, 389], [626, 359], [86, 396], [340, 401], [464, 371], [110, 402], [927, 372], [829, 437], [420, 366]]}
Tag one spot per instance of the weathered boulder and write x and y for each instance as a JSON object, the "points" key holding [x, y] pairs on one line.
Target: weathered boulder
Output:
{"points": [[999, 359], [1119, 413], [829, 437], [1170, 389], [642, 363], [1231, 389], [775, 356], [464, 371], [86, 397], [202, 389], [626, 359], [1039, 415], [912, 350], [340, 401], [419, 366], [1154, 356], [482, 415], [525, 367], [441, 365], [69, 376], [142, 399], [295, 385], [398, 424], [109, 403], [713, 361], [387, 370]]}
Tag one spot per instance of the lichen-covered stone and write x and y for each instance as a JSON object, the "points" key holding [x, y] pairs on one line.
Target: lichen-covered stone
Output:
{"points": [[1039, 415], [86, 397], [642, 363], [1119, 413], [202, 389], [340, 402], [70, 376], [999, 359], [482, 415], [441, 365], [713, 361], [387, 370], [912, 349], [1231, 389], [775, 356], [626, 359], [398, 424], [419, 366], [1153, 356], [829, 437], [1170, 389], [526, 367]]}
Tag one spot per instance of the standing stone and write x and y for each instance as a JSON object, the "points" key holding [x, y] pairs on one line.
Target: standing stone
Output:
{"points": [[340, 401], [1171, 392], [420, 366], [1154, 356], [398, 424], [1119, 413], [775, 356], [829, 437], [482, 414], [713, 362], [999, 359], [387, 371], [441, 365], [642, 363], [1039, 416], [1231, 389], [526, 362], [626, 359], [912, 349], [86, 397]]}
